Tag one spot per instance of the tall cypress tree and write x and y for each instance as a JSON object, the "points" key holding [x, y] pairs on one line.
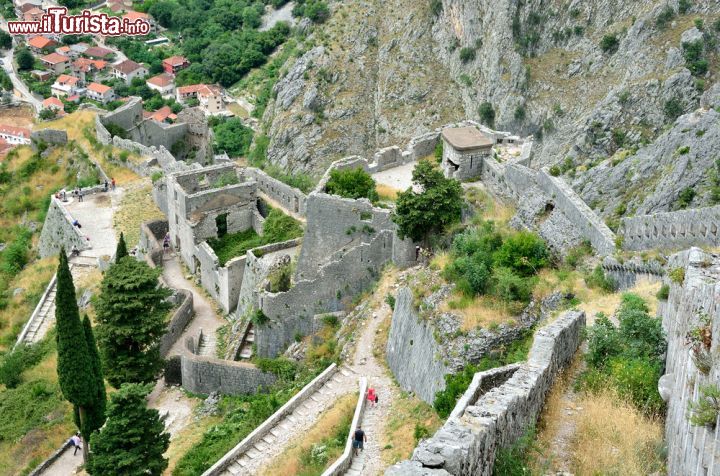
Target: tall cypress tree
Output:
{"points": [[132, 313], [96, 412], [121, 250], [77, 384], [133, 440]]}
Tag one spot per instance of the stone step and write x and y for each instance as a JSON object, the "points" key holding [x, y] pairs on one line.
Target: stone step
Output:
{"points": [[234, 468], [253, 453]]}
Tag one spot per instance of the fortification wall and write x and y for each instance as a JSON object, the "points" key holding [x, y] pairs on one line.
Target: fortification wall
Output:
{"points": [[49, 136], [179, 320], [59, 232], [492, 173], [257, 266], [205, 375], [672, 230], [692, 450], [223, 283], [590, 225], [344, 275], [412, 350], [335, 224], [469, 440], [290, 198], [628, 273]]}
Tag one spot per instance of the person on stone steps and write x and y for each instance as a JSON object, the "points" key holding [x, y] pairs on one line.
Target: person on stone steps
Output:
{"points": [[359, 440]]}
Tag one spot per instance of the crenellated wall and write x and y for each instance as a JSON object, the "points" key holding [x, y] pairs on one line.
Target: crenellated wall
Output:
{"points": [[672, 230]]}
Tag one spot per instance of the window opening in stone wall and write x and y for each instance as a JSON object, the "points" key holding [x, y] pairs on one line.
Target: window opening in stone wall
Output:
{"points": [[221, 224]]}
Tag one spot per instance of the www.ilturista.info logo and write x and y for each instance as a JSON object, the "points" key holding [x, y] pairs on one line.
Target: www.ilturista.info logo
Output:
{"points": [[56, 20]]}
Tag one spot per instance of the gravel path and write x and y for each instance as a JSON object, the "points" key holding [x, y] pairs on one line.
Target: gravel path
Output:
{"points": [[399, 178]]}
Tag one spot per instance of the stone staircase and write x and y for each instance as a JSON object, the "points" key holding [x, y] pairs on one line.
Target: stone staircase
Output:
{"points": [[246, 347], [206, 345], [42, 317], [371, 426], [293, 425]]}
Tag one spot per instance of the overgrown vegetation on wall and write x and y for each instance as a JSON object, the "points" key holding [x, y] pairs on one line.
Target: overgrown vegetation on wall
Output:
{"points": [[352, 183], [277, 228]]}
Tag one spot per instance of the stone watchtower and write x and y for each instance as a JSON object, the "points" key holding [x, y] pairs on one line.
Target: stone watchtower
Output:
{"points": [[464, 149]]}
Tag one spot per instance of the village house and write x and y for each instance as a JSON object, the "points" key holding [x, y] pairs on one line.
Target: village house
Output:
{"points": [[53, 103], [174, 64], [66, 85], [22, 7], [128, 69], [15, 135], [209, 97], [101, 93], [85, 68], [133, 16], [55, 62], [164, 114], [162, 83], [99, 52], [41, 44], [33, 14], [41, 74]]}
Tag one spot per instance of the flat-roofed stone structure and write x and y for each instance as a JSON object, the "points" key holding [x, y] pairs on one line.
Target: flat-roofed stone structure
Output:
{"points": [[464, 149]]}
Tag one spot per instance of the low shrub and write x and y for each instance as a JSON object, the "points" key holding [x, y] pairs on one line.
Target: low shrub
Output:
{"points": [[598, 279], [664, 292], [705, 411]]}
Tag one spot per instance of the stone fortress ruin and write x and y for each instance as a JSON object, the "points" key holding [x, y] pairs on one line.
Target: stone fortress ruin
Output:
{"points": [[347, 242]]}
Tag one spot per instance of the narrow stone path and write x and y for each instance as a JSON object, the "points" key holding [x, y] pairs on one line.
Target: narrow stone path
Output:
{"points": [[291, 427], [366, 365], [205, 316]]}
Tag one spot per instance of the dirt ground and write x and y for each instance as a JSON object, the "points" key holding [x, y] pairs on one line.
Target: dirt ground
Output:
{"points": [[21, 116]]}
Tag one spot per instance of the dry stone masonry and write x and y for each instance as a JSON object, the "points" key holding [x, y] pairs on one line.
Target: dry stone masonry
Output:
{"points": [[487, 419], [692, 450]]}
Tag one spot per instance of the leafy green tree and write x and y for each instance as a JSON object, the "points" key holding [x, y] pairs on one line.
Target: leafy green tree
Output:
{"points": [[232, 137], [352, 183], [96, 413], [78, 385], [133, 440], [24, 59], [5, 40], [524, 252], [487, 113], [609, 44], [437, 206], [131, 315], [121, 249]]}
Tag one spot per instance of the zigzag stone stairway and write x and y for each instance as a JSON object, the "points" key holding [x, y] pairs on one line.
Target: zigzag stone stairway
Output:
{"points": [[295, 424]]}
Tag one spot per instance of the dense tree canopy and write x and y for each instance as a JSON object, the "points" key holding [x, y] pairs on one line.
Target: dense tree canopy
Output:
{"points": [[232, 136], [133, 440], [131, 314], [437, 205], [352, 183]]}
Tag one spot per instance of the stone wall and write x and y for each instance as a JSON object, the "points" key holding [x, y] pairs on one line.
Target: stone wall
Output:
{"points": [[672, 230], [590, 225], [468, 442], [335, 224], [692, 450], [412, 350], [150, 244], [223, 283], [288, 197], [59, 232], [205, 375], [259, 433], [179, 320], [344, 275], [49, 136], [627, 273]]}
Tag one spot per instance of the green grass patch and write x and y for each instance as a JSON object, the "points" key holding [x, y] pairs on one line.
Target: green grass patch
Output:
{"points": [[278, 227]]}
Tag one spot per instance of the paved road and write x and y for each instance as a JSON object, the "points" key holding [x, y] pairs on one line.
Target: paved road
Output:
{"points": [[8, 66]]}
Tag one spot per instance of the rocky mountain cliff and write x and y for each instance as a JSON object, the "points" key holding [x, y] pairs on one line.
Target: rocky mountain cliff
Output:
{"points": [[590, 79]]}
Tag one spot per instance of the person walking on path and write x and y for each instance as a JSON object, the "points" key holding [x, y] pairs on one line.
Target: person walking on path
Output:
{"points": [[75, 440], [166, 243], [80, 195], [113, 183], [106, 185], [359, 440], [371, 396]]}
